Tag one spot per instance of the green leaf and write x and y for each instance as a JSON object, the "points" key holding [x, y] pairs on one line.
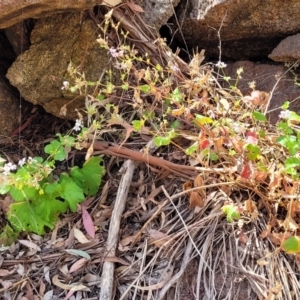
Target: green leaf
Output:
{"points": [[70, 191], [8, 236], [145, 88], [232, 212], [138, 124], [78, 253], [259, 116], [213, 157], [100, 97], [285, 105], [66, 140], [5, 186], [159, 68], [192, 149], [294, 117], [24, 193], [149, 115], [56, 150], [176, 124], [89, 176], [177, 96], [292, 162], [291, 245], [203, 120], [162, 141], [253, 151], [125, 87], [23, 217], [290, 142]]}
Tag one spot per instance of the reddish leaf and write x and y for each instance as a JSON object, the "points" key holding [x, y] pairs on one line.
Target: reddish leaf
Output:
{"points": [[88, 222], [246, 172], [205, 144], [251, 138], [77, 265]]}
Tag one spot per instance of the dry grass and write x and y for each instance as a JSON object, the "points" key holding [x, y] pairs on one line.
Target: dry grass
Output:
{"points": [[165, 247]]}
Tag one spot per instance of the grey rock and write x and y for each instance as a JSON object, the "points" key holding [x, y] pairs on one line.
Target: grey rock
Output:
{"points": [[266, 77], [247, 29], [288, 49]]}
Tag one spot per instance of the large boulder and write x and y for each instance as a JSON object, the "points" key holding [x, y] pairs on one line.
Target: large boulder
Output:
{"points": [[57, 41], [288, 50], [247, 29], [15, 11], [157, 12], [269, 78]]}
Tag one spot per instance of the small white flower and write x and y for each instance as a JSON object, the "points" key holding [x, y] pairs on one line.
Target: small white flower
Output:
{"points": [[8, 167], [221, 65], [66, 85], [22, 162], [78, 125], [175, 68], [113, 52], [285, 114], [237, 127]]}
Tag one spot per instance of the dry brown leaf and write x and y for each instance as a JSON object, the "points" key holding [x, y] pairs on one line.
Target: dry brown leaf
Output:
{"points": [[275, 180], [4, 272], [139, 74], [77, 265], [289, 224], [91, 278], [6, 284], [79, 235], [178, 111], [187, 185], [42, 288], [73, 287], [89, 152], [136, 96], [257, 98], [196, 200], [64, 269], [158, 238], [261, 176], [129, 239], [117, 260], [251, 208], [30, 245], [29, 292]]}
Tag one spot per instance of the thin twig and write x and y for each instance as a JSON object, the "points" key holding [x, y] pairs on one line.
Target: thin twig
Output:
{"points": [[175, 278]]}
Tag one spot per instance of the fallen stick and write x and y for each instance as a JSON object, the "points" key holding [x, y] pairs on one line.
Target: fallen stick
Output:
{"points": [[107, 276], [184, 171]]}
